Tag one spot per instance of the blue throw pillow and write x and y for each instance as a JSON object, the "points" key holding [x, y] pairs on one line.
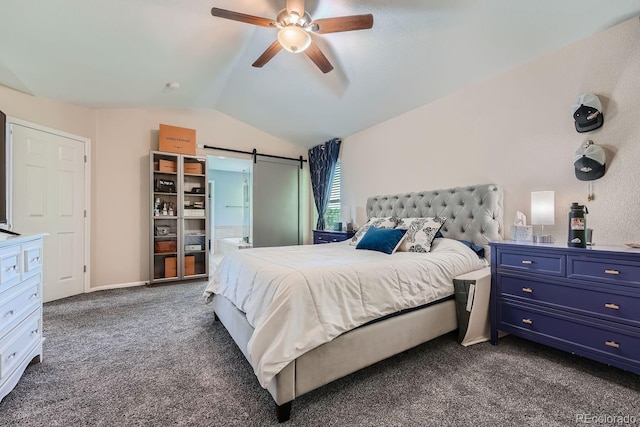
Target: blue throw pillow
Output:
{"points": [[479, 250], [384, 240]]}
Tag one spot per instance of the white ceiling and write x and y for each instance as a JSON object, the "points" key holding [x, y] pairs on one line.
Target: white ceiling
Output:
{"points": [[122, 53]]}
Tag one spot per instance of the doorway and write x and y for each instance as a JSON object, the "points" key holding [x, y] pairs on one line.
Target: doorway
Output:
{"points": [[230, 190]]}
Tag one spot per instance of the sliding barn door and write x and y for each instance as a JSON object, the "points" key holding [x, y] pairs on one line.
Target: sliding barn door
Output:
{"points": [[276, 203]]}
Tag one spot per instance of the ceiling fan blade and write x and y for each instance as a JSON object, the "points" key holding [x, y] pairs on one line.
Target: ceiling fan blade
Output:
{"points": [[237, 16], [343, 23], [318, 58], [295, 6], [268, 54]]}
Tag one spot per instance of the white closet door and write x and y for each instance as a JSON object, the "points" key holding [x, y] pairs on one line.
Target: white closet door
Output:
{"points": [[48, 197], [276, 203]]}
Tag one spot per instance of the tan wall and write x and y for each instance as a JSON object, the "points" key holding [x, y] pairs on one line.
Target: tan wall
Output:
{"points": [[517, 130], [80, 121], [121, 217]]}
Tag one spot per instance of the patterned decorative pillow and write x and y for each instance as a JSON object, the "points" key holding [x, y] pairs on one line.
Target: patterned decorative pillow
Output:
{"points": [[420, 233], [388, 222]]}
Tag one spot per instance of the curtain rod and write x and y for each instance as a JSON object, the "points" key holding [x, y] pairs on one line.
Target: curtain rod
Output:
{"points": [[255, 154]]}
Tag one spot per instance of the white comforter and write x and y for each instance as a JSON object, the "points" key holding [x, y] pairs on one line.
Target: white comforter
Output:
{"points": [[299, 297]]}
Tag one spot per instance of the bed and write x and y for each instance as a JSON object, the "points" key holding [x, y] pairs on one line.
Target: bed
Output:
{"points": [[273, 301]]}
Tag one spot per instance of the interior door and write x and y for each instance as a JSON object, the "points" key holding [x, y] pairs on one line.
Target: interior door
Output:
{"points": [[48, 197], [276, 203]]}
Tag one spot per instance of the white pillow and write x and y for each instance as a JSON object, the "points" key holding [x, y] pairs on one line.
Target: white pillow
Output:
{"points": [[420, 233], [388, 222]]}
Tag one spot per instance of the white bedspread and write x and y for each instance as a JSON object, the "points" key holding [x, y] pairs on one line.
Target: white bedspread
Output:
{"points": [[300, 297]]}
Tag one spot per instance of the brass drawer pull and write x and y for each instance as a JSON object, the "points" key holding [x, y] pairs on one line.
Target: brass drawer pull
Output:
{"points": [[612, 344], [527, 321], [612, 306], [614, 272], [526, 261], [527, 290]]}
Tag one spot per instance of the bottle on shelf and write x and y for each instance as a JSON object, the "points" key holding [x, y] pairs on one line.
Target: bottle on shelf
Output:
{"points": [[578, 226]]}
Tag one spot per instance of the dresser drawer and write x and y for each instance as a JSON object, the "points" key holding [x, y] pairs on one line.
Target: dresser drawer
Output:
{"points": [[605, 303], [15, 346], [552, 264], [582, 335], [32, 259], [18, 303], [320, 237], [9, 267], [604, 270]]}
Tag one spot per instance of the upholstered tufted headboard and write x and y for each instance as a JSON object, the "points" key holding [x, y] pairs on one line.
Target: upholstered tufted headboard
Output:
{"points": [[473, 213]]}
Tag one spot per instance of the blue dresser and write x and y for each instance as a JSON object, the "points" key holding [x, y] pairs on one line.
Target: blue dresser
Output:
{"points": [[584, 301]]}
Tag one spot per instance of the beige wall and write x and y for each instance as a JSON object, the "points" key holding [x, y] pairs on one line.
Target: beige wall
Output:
{"points": [[68, 118], [516, 130]]}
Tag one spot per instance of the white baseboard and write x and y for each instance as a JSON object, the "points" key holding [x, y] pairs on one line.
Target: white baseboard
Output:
{"points": [[117, 286]]}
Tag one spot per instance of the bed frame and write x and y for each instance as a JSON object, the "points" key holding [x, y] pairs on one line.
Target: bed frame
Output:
{"points": [[473, 213]]}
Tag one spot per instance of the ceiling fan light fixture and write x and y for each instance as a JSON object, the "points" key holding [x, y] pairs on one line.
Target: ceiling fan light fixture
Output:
{"points": [[294, 38]]}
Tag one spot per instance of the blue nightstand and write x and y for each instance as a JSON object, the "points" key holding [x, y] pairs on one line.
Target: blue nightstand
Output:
{"points": [[327, 236]]}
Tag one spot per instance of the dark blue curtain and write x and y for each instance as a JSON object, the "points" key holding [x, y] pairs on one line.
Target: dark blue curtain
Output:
{"points": [[322, 166]]}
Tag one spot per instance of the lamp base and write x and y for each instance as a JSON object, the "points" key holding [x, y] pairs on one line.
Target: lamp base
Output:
{"points": [[543, 238]]}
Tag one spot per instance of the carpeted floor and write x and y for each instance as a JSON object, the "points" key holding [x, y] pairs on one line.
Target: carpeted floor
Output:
{"points": [[154, 357]]}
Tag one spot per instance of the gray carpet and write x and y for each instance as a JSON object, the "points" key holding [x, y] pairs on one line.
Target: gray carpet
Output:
{"points": [[154, 357]]}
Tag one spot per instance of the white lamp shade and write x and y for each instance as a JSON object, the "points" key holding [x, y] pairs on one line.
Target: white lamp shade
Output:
{"points": [[542, 208], [294, 38]]}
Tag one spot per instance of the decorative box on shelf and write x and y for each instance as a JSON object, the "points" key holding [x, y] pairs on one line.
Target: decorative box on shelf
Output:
{"points": [[195, 213], [174, 139], [193, 168], [167, 166]]}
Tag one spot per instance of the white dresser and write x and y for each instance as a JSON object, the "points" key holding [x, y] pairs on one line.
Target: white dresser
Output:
{"points": [[20, 307]]}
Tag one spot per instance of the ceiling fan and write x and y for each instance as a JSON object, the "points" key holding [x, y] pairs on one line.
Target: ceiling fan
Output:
{"points": [[295, 28]]}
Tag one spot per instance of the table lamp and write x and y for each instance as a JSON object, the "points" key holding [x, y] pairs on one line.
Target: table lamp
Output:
{"points": [[542, 213]]}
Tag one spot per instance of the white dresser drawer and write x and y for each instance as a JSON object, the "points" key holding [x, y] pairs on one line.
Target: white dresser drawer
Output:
{"points": [[9, 267], [15, 346], [18, 302], [32, 258]]}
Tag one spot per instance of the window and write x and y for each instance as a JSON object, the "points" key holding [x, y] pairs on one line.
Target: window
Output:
{"points": [[332, 214]]}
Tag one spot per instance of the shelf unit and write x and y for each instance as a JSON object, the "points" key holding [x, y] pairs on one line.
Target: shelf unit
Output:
{"points": [[179, 217]]}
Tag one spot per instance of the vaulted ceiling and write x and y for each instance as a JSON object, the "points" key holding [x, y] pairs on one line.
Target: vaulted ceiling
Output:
{"points": [[123, 53]]}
